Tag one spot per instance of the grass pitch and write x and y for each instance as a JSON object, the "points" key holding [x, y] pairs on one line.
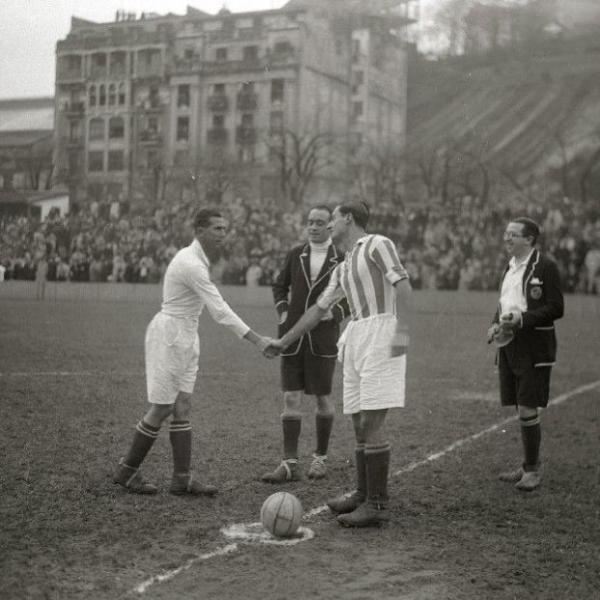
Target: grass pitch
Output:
{"points": [[72, 388]]}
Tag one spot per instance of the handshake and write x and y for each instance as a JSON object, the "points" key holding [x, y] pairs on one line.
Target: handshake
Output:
{"points": [[270, 347]]}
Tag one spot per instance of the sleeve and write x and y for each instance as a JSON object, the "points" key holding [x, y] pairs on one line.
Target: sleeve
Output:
{"points": [[384, 254], [281, 286], [219, 310], [333, 293]]}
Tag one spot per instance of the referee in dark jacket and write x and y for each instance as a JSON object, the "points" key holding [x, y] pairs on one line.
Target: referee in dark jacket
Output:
{"points": [[307, 366], [531, 300]]}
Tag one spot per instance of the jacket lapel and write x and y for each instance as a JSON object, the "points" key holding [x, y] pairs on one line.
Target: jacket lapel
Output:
{"points": [[305, 263], [533, 261], [330, 262]]}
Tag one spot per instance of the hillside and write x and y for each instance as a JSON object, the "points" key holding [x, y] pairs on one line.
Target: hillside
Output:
{"points": [[510, 110]]}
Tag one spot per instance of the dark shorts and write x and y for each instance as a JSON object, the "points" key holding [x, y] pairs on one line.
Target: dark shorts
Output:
{"points": [[306, 372], [523, 387]]}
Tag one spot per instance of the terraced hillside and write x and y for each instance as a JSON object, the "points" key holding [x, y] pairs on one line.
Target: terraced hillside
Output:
{"points": [[527, 112]]}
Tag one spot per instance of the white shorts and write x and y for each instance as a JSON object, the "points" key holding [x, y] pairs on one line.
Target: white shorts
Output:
{"points": [[172, 351], [373, 380]]}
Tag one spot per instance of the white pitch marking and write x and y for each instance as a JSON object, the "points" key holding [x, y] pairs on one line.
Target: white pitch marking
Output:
{"points": [[107, 373], [142, 587], [255, 532]]}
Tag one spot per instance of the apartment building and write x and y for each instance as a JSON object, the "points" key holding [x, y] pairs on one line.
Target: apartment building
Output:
{"points": [[157, 97]]}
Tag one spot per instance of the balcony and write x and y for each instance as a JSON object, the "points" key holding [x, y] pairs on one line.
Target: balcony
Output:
{"points": [[218, 103], [65, 74], [224, 67], [217, 135], [74, 109], [245, 135], [72, 142], [247, 101], [149, 136]]}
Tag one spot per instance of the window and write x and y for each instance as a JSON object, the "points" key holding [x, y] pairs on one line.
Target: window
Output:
{"points": [[153, 124], [221, 54], [73, 131], [247, 121], [92, 95], [219, 88], [276, 120], [357, 109], [247, 87], [96, 129], [218, 121], [115, 160], [102, 95], [121, 94], [95, 162], [183, 128], [183, 95], [73, 159], [112, 94], [250, 53], [282, 47], [116, 128], [277, 90], [188, 53]]}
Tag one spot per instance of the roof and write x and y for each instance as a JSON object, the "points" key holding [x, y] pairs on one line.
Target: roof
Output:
{"points": [[26, 114]]}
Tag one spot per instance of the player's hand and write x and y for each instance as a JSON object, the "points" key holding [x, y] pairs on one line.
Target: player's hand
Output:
{"points": [[264, 342], [511, 320], [273, 349], [283, 317]]}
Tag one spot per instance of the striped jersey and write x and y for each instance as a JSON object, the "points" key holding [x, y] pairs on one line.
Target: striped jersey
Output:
{"points": [[366, 278]]}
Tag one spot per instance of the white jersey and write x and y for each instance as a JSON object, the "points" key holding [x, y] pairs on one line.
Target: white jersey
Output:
{"points": [[366, 278], [187, 289]]}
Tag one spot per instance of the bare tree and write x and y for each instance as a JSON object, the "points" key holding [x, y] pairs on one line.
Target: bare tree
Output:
{"points": [[300, 158]]}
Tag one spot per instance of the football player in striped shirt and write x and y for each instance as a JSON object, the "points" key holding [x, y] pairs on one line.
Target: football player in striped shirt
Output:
{"points": [[372, 349]]}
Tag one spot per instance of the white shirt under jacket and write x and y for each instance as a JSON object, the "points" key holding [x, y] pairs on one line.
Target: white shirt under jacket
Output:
{"points": [[511, 295]]}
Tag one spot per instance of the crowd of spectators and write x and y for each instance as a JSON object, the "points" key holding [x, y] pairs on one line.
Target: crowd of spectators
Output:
{"points": [[452, 246]]}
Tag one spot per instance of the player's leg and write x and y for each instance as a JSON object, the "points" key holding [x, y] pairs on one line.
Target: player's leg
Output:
{"points": [[533, 394], [318, 378], [382, 386], [180, 435], [292, 380], [508, 397], [377, 451], [351, 399], [146, 432], [291, 426]]}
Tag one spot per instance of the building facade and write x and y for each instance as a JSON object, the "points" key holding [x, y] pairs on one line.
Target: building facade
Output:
{"points": [[145, 104]]}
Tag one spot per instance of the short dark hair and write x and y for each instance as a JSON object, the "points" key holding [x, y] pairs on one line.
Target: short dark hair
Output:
{"points": [[204, 215], [530, 228], [323, 207], [358, 209]]}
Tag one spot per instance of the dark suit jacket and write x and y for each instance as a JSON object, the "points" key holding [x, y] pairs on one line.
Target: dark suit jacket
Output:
{"points": [[535, 342], [294, 294]]}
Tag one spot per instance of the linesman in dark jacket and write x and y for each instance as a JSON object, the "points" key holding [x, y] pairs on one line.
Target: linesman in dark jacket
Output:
{"points": [[523, 328], [307, 366]]}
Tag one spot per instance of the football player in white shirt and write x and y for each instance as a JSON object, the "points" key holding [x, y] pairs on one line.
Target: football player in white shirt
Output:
{"points": [[172, 349]]}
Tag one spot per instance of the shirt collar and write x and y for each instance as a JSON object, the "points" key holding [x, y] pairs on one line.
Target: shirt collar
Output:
{"points": [[513, 264], [199, 251]]}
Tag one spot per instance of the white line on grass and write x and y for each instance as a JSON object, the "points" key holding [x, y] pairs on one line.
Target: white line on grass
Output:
{"points": [[142, 587], [34, 374]]}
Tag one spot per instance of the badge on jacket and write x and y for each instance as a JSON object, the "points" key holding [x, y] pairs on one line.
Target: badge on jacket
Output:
{"points": [[536, 292]]}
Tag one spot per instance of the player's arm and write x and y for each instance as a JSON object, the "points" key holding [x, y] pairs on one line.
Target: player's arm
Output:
{"points": [[221, 312], [386, 258], [404, 311], [332, 294]]}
